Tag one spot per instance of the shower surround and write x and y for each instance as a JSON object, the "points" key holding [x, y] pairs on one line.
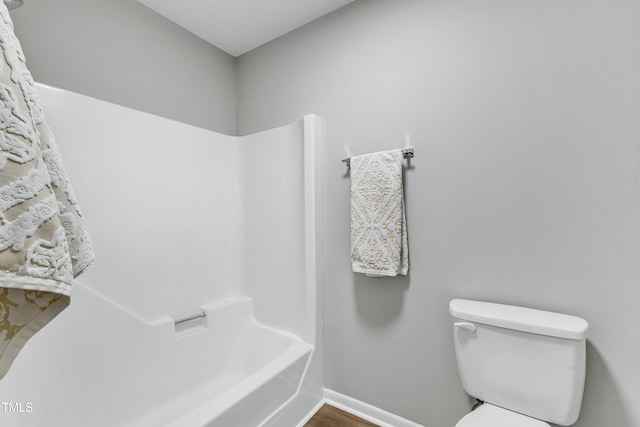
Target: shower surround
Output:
{"points": [[184, 221]]}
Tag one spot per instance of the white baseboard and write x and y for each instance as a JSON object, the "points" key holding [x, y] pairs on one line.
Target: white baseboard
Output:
{"points": [[365, 411]]}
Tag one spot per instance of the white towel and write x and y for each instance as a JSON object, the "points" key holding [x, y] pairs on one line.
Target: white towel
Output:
{"points": [[378, 225], [43, 241]]}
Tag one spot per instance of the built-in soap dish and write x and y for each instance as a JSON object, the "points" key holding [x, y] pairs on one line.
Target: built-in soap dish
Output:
{"points": [[191, 324]]}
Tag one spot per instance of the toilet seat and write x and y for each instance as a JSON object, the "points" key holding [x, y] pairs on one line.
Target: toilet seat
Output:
{"points": [[489, 415]]}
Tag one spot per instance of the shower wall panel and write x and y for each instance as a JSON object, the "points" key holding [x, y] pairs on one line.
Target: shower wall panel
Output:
{"points": [[157, 195], [272, 228]]}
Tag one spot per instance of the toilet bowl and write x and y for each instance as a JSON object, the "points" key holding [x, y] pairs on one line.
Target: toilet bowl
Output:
{"points": [[488, 415]]}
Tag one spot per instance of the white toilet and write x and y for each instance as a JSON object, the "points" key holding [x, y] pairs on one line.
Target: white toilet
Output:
{"points": [[528, 366]]}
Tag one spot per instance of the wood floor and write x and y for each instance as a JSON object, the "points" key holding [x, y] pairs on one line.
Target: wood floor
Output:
{"points": [[329, 416]]}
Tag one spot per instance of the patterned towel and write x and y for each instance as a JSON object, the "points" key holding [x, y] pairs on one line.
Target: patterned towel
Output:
{"points": [[378, 225], [43, 241]]}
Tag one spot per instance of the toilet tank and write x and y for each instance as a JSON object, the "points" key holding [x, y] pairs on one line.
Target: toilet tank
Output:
{"points": [[525, 360]]}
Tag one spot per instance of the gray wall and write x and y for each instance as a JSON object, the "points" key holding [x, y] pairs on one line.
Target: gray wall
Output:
{"points": [[121, 51], [525, 189]]}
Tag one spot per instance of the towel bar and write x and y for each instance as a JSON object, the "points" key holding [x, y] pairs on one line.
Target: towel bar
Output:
{"points": [[190, 318], [407, 153]]}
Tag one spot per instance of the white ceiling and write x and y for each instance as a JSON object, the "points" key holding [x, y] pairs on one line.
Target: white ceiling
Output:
{"points": [[238, 26]]}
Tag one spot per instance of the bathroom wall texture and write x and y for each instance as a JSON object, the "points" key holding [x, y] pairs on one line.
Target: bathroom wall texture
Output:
{"points": [[121, 51], [525, 188]]}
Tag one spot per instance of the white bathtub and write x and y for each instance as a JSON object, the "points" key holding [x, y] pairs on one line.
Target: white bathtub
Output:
{"points": [[227, 370], [235, 371], [168, 248]]}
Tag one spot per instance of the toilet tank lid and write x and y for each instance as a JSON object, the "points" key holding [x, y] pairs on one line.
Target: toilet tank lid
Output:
{"points": [[520, 319]]}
